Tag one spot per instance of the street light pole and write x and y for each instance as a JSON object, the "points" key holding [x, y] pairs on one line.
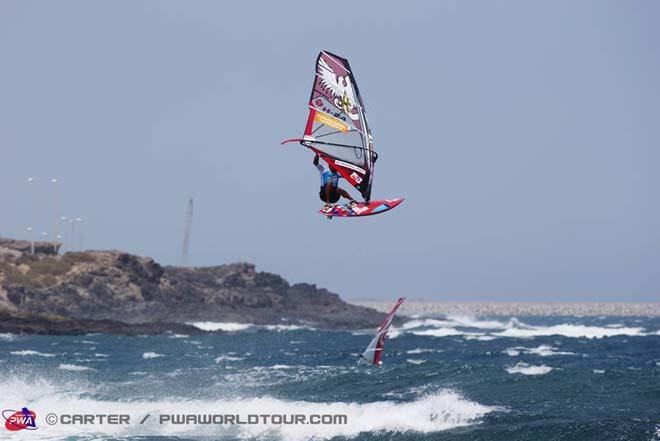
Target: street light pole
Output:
{"points": [[66, 244], [33, 203], [80, 233], [56, 209], [73, 234], [45, 236], [30, 230]]}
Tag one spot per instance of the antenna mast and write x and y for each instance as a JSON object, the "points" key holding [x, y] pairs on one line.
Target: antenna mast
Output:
{"points": [[186, 233]]}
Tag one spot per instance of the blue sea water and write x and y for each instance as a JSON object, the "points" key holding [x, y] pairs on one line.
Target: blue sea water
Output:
{"points": [[445, 378]]}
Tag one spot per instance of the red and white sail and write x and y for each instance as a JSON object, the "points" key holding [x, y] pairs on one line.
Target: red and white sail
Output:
{"points": [[337, 128], [374, 351]]}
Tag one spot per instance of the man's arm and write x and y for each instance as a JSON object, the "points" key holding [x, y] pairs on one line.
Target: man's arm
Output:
{"points": [[319, 167]]}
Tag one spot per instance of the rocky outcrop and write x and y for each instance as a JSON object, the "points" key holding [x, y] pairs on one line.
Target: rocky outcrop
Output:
{"points": [[116, 286], [50, 324]]}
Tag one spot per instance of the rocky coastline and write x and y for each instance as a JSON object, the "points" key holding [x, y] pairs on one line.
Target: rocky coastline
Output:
{"points": [[117, 292]]}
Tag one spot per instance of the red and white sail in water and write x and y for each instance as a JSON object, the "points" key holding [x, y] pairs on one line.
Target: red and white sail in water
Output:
{"points": [[337, 128], [374, 351]]}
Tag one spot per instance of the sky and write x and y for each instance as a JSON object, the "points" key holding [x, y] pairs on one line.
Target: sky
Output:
{"points": [[524, 136]]}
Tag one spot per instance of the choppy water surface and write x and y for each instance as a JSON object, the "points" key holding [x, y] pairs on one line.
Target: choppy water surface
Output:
{"points": [[449, 378]]}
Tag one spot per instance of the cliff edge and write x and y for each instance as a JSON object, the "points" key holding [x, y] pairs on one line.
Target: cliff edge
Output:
{"points": [[114, 286]]}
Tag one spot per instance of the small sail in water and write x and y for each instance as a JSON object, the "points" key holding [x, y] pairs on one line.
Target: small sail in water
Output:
{"points": [[374, 351]]}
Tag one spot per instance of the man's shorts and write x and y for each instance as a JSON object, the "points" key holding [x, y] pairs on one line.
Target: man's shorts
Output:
{"points": [[334, 195]]}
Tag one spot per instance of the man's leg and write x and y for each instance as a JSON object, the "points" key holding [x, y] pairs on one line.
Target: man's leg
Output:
{"points": [[328, 192], [343, 193]]}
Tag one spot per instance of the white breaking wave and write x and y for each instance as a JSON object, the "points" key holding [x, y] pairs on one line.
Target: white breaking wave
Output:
{"points": [[543, 351], [471, 322], [74, 367], [222, 358], [415, 361], [30, 352], [439, 411], [420, 351], [425, 323], [237, 327], [7, 336], [454, 321], [527, 369], [599, 371], [491, 329], [444, 332], [394, 332], [480, 337], [285, 327], [566, 330], [150, 355], [221, 326]]}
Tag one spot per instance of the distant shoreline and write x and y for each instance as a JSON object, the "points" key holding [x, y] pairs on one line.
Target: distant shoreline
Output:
{"points": [[577, 309]]}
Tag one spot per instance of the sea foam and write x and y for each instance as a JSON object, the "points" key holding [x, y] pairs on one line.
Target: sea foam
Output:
{"points": [[5, 336], [568, 330], [527, 369], [150, 355], [224, 358], [221, 326], [30, 352], [435, 412], [74, 367], [543, 351], [485, 330]]}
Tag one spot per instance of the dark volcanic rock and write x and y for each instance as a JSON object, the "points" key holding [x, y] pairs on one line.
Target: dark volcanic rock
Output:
{"points": [[119, 287], [59, 325]]}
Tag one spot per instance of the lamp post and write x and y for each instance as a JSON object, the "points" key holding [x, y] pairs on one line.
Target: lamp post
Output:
{"points": [[65, 220], [44, 236], [56, 209], [80, 233], [72, 222], [30, 230], [59, 239], [33, 203]]}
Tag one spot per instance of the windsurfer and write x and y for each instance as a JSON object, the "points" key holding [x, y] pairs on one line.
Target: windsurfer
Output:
{"points": [[330, 191]]}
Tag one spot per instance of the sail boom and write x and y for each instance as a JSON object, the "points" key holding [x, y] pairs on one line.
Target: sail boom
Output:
{"points": [[304, 141]]}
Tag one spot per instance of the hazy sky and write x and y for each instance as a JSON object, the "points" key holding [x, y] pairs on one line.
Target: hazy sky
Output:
{"points": [[524, 135]]}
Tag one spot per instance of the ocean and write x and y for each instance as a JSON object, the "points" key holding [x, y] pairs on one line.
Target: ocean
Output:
{"points": [[442, 378]]}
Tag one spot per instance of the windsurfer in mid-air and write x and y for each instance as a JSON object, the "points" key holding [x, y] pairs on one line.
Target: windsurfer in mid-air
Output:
{"points": [[338, 134], [330, 191]]}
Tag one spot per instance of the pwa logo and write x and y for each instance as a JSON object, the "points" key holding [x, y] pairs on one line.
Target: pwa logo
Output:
{"points": [[23, 419]]}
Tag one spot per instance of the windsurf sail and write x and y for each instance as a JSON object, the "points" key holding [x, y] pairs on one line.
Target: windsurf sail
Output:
{"points": [[337, 128], [374, 351]]}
